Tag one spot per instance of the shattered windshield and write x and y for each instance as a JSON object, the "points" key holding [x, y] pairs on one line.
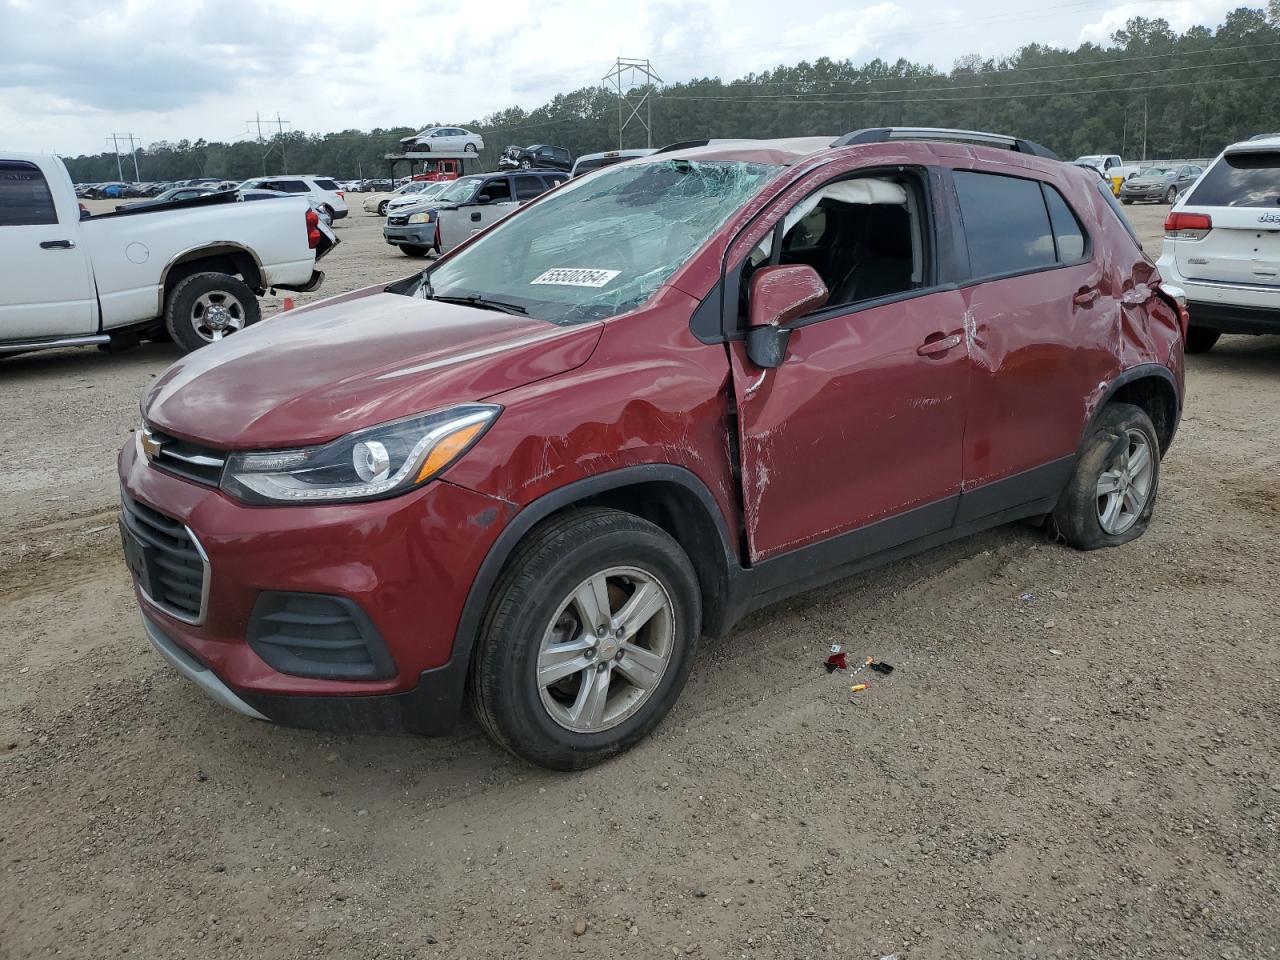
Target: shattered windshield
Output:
{"points": [[604, 244]]}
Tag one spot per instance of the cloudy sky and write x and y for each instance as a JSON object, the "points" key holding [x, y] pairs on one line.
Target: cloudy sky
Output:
{"points": [[74, 71]]}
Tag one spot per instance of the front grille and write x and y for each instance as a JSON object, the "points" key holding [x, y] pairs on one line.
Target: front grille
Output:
{"points": [[399, 221], [171, 568], [314, 635], [188, 460]]}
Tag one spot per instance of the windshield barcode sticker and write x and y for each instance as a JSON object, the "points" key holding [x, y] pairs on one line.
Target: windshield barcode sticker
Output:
{"points": [[576, 277]]}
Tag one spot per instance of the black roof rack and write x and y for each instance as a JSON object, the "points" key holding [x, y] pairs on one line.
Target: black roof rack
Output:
{"points": [[975, 137]]}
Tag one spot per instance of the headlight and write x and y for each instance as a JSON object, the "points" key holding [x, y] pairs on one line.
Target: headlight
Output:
{"points": [[420, 217], [372, 464]]}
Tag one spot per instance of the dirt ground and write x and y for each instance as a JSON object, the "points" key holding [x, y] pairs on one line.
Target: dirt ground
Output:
{"points": [[1092, 773]]}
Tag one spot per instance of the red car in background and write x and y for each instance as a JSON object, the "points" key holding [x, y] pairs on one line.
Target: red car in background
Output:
{"points": [[645, 404]]}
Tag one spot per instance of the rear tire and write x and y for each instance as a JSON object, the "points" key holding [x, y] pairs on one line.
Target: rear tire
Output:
{"points": [[382, 208], [1201, 339], [470, 148], [545, 599], [205, 307], [1112, 493]]}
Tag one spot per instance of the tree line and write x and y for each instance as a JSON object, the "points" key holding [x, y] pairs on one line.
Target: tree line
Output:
{"points": [[1150, 89]]}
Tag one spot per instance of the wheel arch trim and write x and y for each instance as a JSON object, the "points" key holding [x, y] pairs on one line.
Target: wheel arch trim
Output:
{"points": [[1143, 371], [212, 248], [481, 590]]}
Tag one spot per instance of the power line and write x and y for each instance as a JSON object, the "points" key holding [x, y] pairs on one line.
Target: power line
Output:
{"points": [[969, 99], [794, 97], [1009, 69]]}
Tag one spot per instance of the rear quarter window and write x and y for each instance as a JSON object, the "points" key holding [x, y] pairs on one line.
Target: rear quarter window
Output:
{"points": [[1006, 224], [25, 200], [326, 185], [1246, 179]]}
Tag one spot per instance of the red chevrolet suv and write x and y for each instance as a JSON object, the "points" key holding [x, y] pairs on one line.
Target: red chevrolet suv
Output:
{"points": [[645, 404]]}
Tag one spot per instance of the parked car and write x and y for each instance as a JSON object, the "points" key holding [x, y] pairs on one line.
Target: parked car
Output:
{"points": [[321, 210], [1222, 245], [539, 156], [169, 196], [1159, 184], [445, 140], [1112, 168], [464, 208], [598, 161], [647, 403], [191, 271], [378, 202], [320, 189], [419, 198]]}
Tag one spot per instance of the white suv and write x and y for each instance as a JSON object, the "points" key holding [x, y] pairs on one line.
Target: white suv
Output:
{"points": [[1222, 244], [322, 190]]}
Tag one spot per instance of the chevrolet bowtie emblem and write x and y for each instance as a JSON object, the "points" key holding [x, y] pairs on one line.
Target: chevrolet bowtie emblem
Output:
{"points": [[150, 445]]}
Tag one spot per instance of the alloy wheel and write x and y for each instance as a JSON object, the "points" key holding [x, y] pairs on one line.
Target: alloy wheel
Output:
{"points": [[216, 314], [606, 649], [1124, 488]]}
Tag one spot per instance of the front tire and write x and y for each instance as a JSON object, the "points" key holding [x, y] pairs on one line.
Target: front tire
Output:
{"points": [[1201, 339], [526, 164], [588, 641], [206, 307], [1112, 493], [1171, 195], [413, 250]]}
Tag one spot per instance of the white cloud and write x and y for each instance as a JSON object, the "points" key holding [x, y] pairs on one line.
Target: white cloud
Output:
{"points": [[72, 71]]}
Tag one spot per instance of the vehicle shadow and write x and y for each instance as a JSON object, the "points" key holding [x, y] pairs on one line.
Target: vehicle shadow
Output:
{"points": [[84, 361], [1241, 355]]}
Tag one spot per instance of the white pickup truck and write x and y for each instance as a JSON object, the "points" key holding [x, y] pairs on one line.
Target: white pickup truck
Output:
{"points": [[191, 270]]}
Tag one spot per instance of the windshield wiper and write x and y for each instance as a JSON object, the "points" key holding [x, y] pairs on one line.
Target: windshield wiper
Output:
{"points": [[483, 303]]}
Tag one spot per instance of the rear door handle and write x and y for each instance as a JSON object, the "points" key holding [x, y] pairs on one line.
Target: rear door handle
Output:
{"points": [[941, 345], [57, 244], [1085, 296]]}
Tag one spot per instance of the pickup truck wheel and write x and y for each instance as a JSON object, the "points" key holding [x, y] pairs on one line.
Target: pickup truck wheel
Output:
{"points": [[1112, 493], [413, 250], [1201, 339], [205, 307], [588, 640]]}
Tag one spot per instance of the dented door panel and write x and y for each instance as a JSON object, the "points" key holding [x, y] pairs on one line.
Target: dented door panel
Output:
{"points": [[855, 426]]}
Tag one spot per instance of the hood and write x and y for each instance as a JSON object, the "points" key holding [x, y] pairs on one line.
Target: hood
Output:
{"points": [[314, 374]]}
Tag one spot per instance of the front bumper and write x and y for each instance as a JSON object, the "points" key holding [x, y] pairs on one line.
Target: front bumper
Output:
{"points": [[1145, 193], [416, 234], [407, 563]]}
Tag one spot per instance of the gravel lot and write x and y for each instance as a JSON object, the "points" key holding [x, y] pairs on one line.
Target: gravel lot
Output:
{"points": [[1094, 773]]}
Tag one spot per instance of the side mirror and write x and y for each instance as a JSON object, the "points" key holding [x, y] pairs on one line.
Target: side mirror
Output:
{"points": [[484, 198], [780, 294]]}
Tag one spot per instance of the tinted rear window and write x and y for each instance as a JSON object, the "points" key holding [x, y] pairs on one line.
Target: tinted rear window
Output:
{"points": [[326, 185], [1240, 180], [24, 196], [1005, 222]]}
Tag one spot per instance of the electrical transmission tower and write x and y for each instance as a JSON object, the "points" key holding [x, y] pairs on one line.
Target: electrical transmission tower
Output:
{"points": [[257, 121], [114, 139], [627, 75]]}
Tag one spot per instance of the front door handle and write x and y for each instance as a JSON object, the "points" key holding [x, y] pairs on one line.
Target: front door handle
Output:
{"points": [[940, 345], [1085, 296], [57, 244], [475, 217]]}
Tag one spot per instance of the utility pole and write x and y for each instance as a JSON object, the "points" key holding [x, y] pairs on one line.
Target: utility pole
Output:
{"points": [[137, 177], [280, 125], [626, 75], [1144, 126], [115, 142]]}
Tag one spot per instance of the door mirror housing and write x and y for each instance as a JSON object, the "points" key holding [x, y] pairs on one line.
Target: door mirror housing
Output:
{"points": [[484, 198], [780, 294]]}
